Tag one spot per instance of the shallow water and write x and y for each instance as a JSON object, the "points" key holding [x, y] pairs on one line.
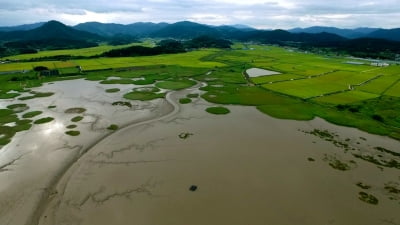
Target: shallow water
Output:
{"points": [[257, 72], [248, 168], [35, 158]]}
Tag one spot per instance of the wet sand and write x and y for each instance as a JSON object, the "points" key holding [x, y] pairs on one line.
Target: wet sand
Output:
{"points": [[35, 159], [248, 168]]}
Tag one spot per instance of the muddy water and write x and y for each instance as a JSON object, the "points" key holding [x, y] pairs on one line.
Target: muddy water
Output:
{"points": [[35, 159], [248, 169]]}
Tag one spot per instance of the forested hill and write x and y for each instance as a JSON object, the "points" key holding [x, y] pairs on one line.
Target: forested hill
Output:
{"points": [[55, 35]]}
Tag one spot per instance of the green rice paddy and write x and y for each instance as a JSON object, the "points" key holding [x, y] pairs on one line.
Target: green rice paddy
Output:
{"points": [[309, 86]]}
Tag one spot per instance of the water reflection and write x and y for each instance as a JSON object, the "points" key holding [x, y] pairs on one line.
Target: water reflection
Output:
{"points": [[52, 128]]}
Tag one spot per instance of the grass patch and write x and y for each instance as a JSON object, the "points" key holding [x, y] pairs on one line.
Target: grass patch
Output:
{"points": [[192, 95], [17, 108], [37, 95], [6, 133], [73, 132], [185, 135], [113, 127], [112, 90], [346, 97], [175, 85], [51, 106], [43, 120], [147, 89], [117, 81], [121, 103], [4, 95], [75, 110], [72, 126], [7, 116], [31, 114], [368, 198], [185, 100], [144, 82], [77, 118], [218, 110], [143, 96]]}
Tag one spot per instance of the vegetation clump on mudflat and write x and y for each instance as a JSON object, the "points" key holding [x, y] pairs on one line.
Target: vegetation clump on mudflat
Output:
{"points": [[73, 132], [77, 119], [72, 126], [218, 110], [122, 103], [185, 100], [184, 135], [112, 90], [18, 107], [31, 114], [175, 84], [76, 110], [143, 95], [113, 127], [37, 95], [43, 120], [368, 198]]}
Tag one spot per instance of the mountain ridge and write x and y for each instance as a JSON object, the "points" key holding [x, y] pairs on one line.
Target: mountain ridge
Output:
{"points": [[149, 29], [55, 35]]}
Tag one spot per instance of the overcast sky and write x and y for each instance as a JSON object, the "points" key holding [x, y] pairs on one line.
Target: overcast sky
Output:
{"points": [[257, 13]]}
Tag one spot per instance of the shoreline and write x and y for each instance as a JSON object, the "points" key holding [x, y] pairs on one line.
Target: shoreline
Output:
{"points": [[164, 114]]}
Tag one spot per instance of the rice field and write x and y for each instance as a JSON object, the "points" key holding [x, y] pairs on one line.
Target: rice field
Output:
{"points": [[189, 59], [347, 97], [309, 84], [72, 52], [379, 85], [275, 78], [319, 86], [394, 90]]}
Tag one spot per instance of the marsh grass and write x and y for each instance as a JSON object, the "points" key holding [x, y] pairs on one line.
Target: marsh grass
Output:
{"points": [[37, 95], [175, 84], [218, 110], [143, 95], [113, 127], [185, 100], [76, 110], [31, 114], [72, 126], [112, 90], [77, 119], [44, 120], [73, 132]]}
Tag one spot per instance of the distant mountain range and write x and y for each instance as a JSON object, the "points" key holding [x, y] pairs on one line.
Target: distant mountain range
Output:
{"points": [[27, 38], [363, 32], [140, 29], [184, 29], [22, 27], [49, 30]]}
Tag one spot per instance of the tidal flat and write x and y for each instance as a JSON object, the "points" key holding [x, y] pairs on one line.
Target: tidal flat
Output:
{"points": [[240, 168]]}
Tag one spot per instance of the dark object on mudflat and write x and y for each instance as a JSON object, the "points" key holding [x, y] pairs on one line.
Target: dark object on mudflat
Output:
{"points": [[193, 188]]}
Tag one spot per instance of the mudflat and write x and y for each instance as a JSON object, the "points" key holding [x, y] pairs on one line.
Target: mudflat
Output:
{"points": [[239, 168], [173, 164]]}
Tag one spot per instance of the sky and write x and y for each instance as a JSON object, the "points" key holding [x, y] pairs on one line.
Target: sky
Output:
{"points": [[262, 14]]}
